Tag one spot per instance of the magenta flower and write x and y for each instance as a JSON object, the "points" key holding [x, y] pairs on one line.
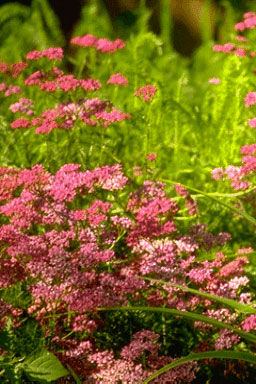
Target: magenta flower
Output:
{"points": [[147, 92], [252, 122], [118, 79], [214, 80], [250, 99]]}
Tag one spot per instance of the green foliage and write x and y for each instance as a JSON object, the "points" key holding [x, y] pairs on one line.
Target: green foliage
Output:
{"points": [[43, 367], [39, 367], [27, 28]]}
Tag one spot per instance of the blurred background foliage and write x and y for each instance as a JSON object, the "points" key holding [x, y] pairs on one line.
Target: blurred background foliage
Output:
{"points": [[183, 24]]}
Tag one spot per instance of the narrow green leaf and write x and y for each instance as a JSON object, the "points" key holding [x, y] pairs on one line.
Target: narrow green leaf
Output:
{"points": [[187, 315], [242, 308], [210, 196], [245, 356]]}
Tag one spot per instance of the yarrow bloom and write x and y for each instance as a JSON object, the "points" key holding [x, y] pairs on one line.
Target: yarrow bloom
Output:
{"points": [[250, 99], [147, 92], [151, 156], [50, 53], [248, 23], [252, 122], [20, 123], [23, 106], [102, 45], [214, 80], [226, 48], [118, 79]]}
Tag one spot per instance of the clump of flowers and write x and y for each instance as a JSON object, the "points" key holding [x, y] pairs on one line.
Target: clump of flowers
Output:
{"points": [[147, 92], [62, 236], [102, 45]]}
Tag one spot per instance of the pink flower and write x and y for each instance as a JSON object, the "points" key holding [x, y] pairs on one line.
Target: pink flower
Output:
{"points": [[249, 323], [249, 149], [50, 53], [252, 122], [85, 41], [12, 90], [147, 92], [20, 123], [33, 55], [218, 173], [240, 52], [250, 99], [226, 340], [23, 106], [118, 79], [104, 45], [151, 156], [90, 84], [214, 80]]}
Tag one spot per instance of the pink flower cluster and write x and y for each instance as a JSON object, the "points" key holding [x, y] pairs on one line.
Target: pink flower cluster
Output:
{"points": [[118, 79], [13, 70], [23, 106], [50, 53], [64, 116], [102, 45], [54, 80], [147, 92], [9, 89], [62, 238], [249, 22]]}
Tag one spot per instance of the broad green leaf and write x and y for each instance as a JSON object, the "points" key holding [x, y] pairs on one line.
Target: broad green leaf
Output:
{"points": [[43, 367], [243, 308], [244, 356], [187, 315]]}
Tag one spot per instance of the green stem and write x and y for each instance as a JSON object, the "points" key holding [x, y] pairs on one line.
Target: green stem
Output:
{"points": [[238, 211]]}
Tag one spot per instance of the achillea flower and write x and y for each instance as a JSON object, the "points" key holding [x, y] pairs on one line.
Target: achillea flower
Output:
{"points": [[111, 117], [17, 68], [23, 105], [147, 92], [151, 156], [240, 52], [3, 86], [248, 149], [34, 55], [3, 67], [249, 323], [68, 83], [226, 48], [48, 86], [218, 173], [102, 45], [90, 84], [50, 53], [234, 267], [244, 251], [85, 41], [250, 99], [214, 80], [252, 122], [12, 89], [34, 78], [226, 340], [20, 123], [118, 79]]}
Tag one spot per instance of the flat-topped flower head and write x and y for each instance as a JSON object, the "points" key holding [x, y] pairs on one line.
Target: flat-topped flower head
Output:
{"points": [[118, 79], [147, 92], [50, 53], [102, 44]]}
